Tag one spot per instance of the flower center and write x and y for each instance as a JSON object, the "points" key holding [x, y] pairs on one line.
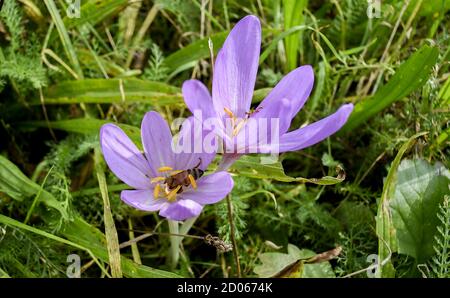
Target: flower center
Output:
{"points": [[236, 124], [172, 183]]}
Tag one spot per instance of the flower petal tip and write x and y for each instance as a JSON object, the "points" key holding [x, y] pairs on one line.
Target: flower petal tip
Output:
{"points": [[251, 19], [348, 107], [181, 210]]}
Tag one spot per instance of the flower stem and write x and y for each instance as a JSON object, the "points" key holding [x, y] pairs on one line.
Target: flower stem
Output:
{"points": [[233, 237], [227, 161], [174, 244], [175, 241]]}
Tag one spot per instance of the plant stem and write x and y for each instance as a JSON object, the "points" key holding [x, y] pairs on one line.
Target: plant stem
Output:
{"points": [[233, 236], [175, 240], [174, 244]]}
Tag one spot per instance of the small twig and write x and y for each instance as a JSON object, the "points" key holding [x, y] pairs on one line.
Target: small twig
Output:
{"points": [[211, 53], [233, 237], [44, 110], [207, 271]]}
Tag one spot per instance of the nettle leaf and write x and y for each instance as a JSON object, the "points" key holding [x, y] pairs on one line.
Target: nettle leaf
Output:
{"points": [[419, 190], [296, 263], [254, 167]]}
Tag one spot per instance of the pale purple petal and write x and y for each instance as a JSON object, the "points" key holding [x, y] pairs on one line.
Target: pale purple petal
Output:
{"points": [[295, 87], [315, 132], [195, 146], [157, 141], [210, 189], [143, 200], [124, 158], [236, 67], [267, 127], [181, 210], [197, 98]]}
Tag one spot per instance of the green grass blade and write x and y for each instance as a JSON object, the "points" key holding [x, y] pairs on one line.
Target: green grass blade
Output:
{"points": [[112, 241], [273, 44], [384, 226], [109, 91], [82, 233], [183, 58], [12, 222], [411, 75], [194, 52], [64, 36], [4, 274], [79, 233], [82, 125], [293, 16], [94, 12], [444, 94], [18, 186]]}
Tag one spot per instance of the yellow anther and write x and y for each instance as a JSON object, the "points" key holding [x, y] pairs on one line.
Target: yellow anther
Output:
{"points": [[157, 179], [238, 128], [173, 194], [156, 191], [193, 182], [229, 112], [164, 169]]}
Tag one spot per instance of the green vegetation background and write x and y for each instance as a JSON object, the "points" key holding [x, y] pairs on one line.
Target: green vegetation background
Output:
{"points": [[61, 78]]}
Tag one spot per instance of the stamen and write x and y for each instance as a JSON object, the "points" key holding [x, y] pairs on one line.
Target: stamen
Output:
{"points": [[193, 182], [164, 169], [229, 112], [157, 179], [156, 191], [173, 194], [238, 128]]}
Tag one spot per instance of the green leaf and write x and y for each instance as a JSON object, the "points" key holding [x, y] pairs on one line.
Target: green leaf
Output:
{"points": [[292, 264], [410, 76], [14, 223], [95, 11], [384, 227], [64, 36], [111, 91], [82, 233], [3, 274], [430, 8], [195, 51], [293, 16], [83, 126], [251, 166], [184, 58], [273, 44], [274, 263], [444, 94], [317, 270], [112, 241], [419, 190], [18, 186]]}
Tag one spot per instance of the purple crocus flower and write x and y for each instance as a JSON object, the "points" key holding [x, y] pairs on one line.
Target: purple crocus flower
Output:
{"points": [[147, 172], [232, 90]]}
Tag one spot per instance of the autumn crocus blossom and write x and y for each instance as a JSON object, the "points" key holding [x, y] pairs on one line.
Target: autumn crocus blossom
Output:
{"points": [[147, 172], [232, 90]]}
